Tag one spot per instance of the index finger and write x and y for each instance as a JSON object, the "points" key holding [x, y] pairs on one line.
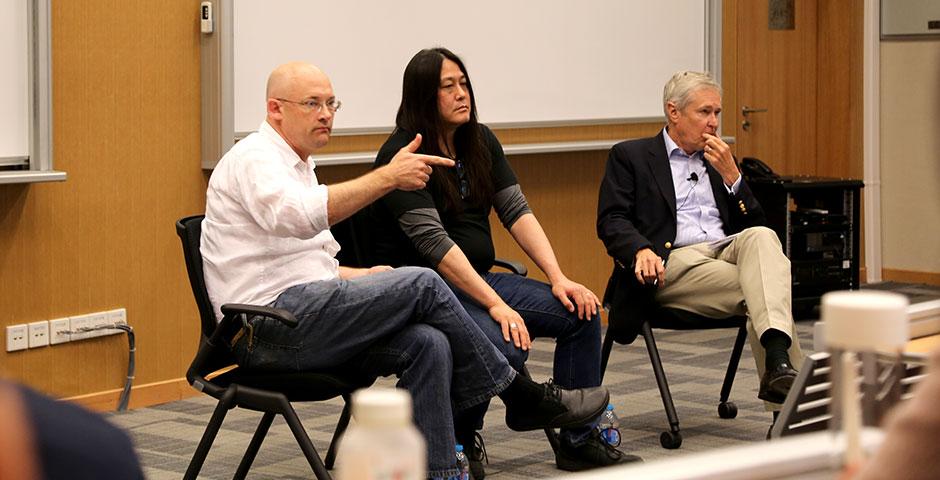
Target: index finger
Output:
{"points": [[713, 140], [439, 161]]}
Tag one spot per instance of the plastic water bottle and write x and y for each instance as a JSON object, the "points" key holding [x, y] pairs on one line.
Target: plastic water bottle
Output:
{"points": [[383, 443], [609, 426], [462, 464]]}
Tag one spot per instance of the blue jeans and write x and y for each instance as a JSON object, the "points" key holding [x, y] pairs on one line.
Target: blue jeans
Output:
{"points": [[404, 322], [577, 342]]}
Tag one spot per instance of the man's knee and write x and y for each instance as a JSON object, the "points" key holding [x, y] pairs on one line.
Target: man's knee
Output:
{"points": [[515, 357], [429, 341], [591, 329], [760, 235], [758, 232]]}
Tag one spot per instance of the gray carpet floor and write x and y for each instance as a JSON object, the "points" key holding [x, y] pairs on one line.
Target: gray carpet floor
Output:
{"points": [[166, 435]]}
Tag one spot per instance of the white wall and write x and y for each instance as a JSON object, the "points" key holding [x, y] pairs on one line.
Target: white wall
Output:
{"points": [[910, 155], [14, 93]]}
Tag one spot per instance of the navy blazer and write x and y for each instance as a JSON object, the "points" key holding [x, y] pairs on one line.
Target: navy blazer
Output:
{"points": [[637, 209]]}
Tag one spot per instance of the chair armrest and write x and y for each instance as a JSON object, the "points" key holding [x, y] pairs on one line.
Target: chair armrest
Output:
{"points": [[232, 310], [513, 266]]}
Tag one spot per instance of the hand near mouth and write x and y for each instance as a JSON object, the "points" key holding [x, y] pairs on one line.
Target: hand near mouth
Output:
{"points": [[718, 153]]}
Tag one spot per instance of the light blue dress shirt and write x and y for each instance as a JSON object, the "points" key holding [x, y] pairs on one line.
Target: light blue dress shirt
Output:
{"points": [[697, 218]]}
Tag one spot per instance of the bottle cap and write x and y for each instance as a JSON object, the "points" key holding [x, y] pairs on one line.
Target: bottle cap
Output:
{"points": [[459, 448], [865, 320], [610, 406], [382, 407]]}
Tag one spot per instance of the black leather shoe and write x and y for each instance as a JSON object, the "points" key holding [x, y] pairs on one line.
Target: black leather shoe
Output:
{"points": [[558, 408], [594, 453], [475, 451], [776, 382]]}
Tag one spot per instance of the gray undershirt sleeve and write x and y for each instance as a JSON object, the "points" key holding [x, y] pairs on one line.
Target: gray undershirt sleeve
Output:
{"points": [[423, 226], [510, 204]]}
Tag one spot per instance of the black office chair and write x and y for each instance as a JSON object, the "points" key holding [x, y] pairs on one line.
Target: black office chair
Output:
{"points": [[213, 371], [625, 332]]}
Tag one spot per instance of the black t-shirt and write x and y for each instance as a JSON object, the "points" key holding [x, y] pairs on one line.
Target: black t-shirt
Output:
{"points": [[469, 229]]}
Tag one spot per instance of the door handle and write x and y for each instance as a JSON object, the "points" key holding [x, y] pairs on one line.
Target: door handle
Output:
{"points": [[745, 111]]}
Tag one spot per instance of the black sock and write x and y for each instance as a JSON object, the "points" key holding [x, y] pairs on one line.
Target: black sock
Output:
{"points": [[522, 391], [775, 343]]}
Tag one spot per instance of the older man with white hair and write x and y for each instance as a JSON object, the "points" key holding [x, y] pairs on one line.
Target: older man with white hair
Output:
{"points": [[686, 232]]}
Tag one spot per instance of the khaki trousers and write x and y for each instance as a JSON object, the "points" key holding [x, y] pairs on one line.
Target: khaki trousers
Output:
{"points": [[750, 275]]}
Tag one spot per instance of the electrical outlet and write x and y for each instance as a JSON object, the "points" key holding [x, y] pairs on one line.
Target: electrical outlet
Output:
{"points": [[17, 338], [78, 322], [117, 316], [97, 320], [57, 328], [38, 334]]}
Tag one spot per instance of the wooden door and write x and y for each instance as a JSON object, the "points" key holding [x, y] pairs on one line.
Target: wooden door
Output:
{"points": [[773, 70]]}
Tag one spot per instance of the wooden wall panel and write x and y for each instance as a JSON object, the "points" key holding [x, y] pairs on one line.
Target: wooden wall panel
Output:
{"points": [[126, 129], [839, 103]]}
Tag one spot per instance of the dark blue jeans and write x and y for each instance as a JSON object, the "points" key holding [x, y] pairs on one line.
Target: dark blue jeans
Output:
{"points": [[577, 342], [404, 322]]}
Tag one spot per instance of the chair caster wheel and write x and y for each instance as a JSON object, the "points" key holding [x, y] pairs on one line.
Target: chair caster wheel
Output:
{"points": [[670, 440], [727, 410]]}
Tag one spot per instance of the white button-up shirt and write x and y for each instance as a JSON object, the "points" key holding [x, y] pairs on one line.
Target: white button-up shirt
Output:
{"points": [[266, 226]]}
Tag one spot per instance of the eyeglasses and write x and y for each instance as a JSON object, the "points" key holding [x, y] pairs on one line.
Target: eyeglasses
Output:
{"points": [[463, 183], [311, 104]]}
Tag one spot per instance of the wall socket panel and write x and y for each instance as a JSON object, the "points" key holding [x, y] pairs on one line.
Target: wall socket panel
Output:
{"points": [[92, 320], [57, 329], [53, 332], [17, 338], [77, 323], [38, 334]]}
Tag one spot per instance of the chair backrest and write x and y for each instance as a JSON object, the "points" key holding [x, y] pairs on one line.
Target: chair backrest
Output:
{"points": [[354, 237], [189, 230]]}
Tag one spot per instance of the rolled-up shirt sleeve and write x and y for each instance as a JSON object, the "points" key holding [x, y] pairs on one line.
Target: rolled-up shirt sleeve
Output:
{"points": [[284, 208], [510, 204], [314, 200], [423, 226]]}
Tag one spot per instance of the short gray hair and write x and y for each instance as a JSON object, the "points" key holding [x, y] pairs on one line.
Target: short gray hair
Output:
{"points": [[682, 84]]}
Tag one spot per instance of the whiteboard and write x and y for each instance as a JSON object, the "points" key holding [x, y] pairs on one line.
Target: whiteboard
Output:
{"points": [[531, 62], [14, 82]]}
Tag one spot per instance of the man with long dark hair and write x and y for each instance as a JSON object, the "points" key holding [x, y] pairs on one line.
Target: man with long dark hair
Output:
{"points": [[446, 226]]}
